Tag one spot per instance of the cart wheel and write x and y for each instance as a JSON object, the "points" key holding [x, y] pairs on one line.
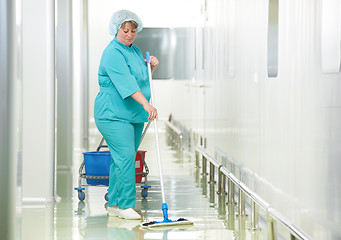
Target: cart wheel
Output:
{"points": [[81, 195], [144, 193], [106, 197]]}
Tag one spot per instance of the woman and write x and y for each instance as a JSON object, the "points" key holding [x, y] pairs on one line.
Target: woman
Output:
{"points": [[122, 107]]}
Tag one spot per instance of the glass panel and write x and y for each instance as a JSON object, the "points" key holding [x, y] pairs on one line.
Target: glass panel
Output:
{"points": [[157, 41], [175, 49]]}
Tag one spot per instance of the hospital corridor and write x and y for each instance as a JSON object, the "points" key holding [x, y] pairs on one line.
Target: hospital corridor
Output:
{"points": [[170, 120]]}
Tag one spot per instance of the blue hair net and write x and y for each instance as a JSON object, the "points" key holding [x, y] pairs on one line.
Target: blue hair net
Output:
{"points": [[121, 16]]}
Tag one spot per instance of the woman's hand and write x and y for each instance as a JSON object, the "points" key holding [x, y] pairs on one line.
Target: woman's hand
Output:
{"points": [[153, 63], [151, 110]]}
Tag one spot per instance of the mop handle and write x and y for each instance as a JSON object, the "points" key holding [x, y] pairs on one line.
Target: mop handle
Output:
{"points": [[155, 128]]}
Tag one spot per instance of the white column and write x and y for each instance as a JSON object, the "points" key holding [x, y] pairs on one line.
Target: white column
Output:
{"points": [[9, 117], [64, 84], [38, 183]]}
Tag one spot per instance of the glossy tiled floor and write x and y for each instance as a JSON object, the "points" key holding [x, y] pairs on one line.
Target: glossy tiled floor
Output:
{"points": [[185, 195]]}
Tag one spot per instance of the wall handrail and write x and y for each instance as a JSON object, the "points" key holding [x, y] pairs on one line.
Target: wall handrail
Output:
{"points": [[208, 157], [283, 220], [174, 128], [252, 195]]}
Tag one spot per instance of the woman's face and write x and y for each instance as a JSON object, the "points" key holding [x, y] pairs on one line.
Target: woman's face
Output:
{"points": [[126, 34]]}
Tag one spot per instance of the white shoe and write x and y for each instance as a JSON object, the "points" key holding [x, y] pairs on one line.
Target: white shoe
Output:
{"points": [[113, 211], [128, 213]]}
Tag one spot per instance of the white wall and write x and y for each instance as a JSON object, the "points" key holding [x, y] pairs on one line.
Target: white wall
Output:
{"points": [[38, 101], [285, 132]]}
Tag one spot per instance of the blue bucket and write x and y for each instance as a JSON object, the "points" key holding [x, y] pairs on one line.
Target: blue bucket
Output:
{"points": [[97, 164]]}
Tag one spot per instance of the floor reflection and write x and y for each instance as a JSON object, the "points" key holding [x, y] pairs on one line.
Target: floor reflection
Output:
{"points": [[188, 192]]}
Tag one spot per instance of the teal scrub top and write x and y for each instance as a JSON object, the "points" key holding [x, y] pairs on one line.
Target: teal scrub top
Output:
{"points": [[122, 72]]}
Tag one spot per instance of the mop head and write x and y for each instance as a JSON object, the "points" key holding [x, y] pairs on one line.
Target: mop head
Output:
{"points": [[166, 223]]}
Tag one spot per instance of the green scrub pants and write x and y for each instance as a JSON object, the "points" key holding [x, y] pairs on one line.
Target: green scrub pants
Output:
{"points": [[123, 141]]}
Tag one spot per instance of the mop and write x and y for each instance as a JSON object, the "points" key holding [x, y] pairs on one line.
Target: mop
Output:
{"points": [[166, 221]]}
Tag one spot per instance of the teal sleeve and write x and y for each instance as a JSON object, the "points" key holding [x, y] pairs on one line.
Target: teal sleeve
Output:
{"points": [[118, 70]]}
